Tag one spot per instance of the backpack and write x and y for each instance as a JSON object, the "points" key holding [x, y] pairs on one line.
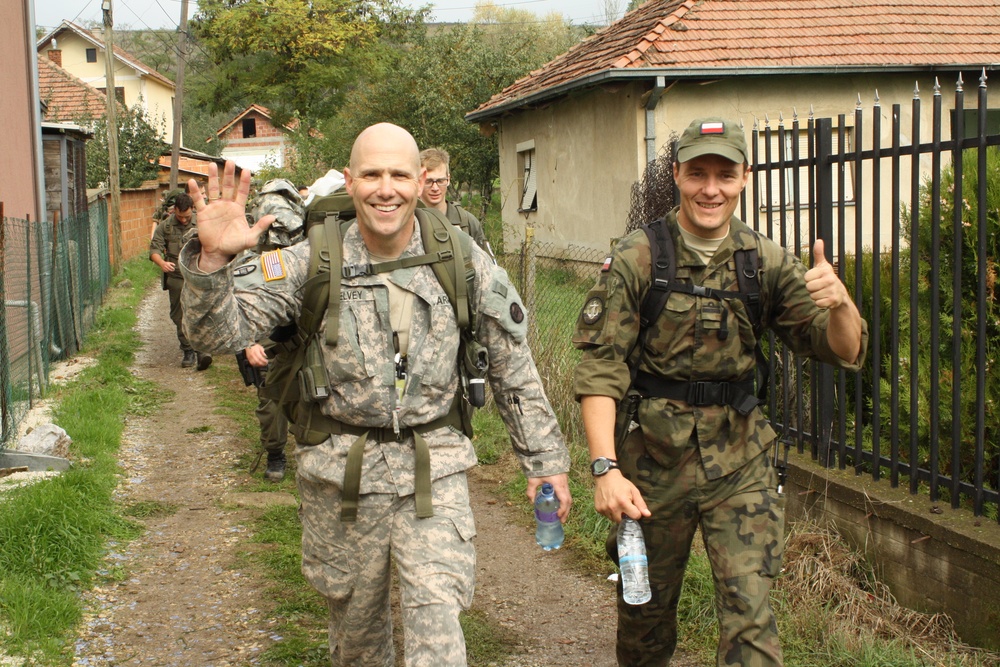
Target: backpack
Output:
{"points": [[663, 259], [297, 378]]}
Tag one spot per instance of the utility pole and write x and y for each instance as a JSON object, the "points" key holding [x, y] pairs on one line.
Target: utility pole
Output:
{"points": [[113, 176], [179, 95]]}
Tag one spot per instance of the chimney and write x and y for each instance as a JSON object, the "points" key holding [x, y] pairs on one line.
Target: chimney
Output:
{"points": [[55, 56]]}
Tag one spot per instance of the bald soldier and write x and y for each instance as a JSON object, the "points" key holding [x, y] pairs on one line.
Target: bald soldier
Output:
{"points": [[698, 458], [391, 431]]}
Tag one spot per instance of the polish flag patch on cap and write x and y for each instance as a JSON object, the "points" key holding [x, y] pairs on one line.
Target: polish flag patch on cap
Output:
{"points": [[607, 265], [713, 128]]}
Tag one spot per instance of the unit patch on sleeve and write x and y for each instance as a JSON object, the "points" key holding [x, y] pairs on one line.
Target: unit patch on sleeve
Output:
{"points": [[273, 265], [516, 313], [593, 310]]}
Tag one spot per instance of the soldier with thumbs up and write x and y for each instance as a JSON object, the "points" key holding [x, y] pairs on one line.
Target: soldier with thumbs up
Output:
{"points": [[669, 336]]}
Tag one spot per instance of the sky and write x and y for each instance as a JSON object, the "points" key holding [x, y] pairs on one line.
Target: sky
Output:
{"points": [[142, 14]]}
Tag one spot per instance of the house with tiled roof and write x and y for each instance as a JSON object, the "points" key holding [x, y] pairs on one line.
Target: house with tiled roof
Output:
{"points": [[252, 139], [81, 53], [575, 134], [67, 99]]}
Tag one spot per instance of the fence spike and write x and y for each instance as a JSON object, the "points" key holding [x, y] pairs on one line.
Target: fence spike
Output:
{"points": [[858, 106], [795, 115], [960, 84], [916, 90], [812, 112], [877, 102], [982, 79], [781, 119], [937, 86], [767, 121]]}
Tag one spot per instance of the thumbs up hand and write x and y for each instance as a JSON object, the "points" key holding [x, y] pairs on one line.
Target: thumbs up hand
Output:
{"points": [[825, 288]]}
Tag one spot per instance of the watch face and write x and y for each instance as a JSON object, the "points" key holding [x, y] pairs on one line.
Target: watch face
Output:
{"points": [[601, 466]]}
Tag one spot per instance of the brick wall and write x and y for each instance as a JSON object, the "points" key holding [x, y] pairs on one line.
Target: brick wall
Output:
{"points": [[137, 207]]}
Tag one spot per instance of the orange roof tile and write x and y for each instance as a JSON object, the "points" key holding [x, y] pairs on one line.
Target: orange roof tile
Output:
{"points": [[687, 38], [67, 98]]}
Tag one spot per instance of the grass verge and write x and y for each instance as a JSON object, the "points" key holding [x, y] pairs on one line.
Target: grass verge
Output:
{"points": [[53, 535]]}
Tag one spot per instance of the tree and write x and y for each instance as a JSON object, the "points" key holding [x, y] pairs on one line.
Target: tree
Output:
{"points": [[438, 79], [294, 56], [139, 148]]}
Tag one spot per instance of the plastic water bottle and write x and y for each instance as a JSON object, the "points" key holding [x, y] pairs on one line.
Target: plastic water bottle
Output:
{"points": [[632, 562], [549, 533]]}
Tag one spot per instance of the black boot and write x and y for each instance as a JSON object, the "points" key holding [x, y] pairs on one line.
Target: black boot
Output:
{"points": [[189, 359], [275, 467], [204, 361]]}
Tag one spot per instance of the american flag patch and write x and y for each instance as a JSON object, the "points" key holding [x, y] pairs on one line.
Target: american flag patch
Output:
{"points": [[713, 128], [273, 265], [607, 265]]}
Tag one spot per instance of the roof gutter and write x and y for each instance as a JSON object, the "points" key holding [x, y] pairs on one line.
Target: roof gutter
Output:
{"points": [[638, 74], [659, 86]]}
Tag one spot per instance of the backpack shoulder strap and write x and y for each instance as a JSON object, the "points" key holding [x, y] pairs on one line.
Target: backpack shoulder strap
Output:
{"points": [[454, 271], [663, 268], [748, 281]]}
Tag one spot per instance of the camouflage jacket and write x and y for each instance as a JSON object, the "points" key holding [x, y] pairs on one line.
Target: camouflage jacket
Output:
{"points": [[684, 344], [220, 317], [169, 237], [469, 224]]}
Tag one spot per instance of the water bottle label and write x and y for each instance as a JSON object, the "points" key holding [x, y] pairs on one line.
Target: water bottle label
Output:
{"points": [[640, 558], [547, 517]]}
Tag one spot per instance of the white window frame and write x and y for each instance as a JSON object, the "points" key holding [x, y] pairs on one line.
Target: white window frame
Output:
{"points": [[527, 165]]}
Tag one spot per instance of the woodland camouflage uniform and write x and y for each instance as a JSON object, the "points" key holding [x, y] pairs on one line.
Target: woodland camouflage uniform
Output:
{"points": [[704, 466], [348, 563]]}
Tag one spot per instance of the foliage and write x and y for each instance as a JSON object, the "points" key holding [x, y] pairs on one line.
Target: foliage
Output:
{"points": [[430, 86], [941, 249], [139, 148], [293, 56]]}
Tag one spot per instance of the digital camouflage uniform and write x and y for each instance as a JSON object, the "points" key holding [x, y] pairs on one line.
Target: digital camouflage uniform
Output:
{"points": [[168, 239], [348, 563], [704, 466]]}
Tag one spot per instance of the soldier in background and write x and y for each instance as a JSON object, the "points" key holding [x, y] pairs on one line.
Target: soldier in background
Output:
{"points": [[169, 237], [699, 456], [281, 199], [435, 191]]}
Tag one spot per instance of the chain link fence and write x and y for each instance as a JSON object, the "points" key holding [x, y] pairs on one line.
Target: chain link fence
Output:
{"points": [[54, 277], [553, 282]]}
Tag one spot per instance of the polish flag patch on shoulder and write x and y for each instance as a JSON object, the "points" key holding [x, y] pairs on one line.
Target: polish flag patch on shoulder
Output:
{"points": [[713, 128], [607, 265], [273, 265]]}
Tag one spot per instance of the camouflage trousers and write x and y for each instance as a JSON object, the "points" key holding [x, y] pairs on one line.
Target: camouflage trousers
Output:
{"points": [[273, 425], [349, 564], [174, 286], [741, 519]]}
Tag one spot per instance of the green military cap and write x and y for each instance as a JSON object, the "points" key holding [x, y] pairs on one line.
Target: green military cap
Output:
{"points": [[713, 136]]}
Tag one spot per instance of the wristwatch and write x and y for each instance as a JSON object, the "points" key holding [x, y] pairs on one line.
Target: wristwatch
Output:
{"points": [[602, 464]]}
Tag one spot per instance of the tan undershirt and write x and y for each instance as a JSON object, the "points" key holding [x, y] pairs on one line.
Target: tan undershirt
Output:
{"points": [[704, 248], [400, 307]]}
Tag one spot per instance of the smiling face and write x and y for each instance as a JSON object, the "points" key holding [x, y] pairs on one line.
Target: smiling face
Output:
{"points": [[710, 187], [384, 181]]}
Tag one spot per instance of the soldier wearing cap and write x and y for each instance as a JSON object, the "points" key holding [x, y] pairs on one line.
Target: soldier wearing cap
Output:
{"points": [[680, 466]]}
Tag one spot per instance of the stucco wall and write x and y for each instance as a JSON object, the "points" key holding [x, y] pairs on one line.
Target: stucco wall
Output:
{"points": [[591, 146], [587, 152]]}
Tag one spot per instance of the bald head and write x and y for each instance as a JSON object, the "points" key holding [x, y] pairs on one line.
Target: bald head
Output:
{"points": [[382, 138]]}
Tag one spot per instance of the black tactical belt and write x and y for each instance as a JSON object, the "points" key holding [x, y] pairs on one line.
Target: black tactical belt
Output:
{"points": [[737, 394]]}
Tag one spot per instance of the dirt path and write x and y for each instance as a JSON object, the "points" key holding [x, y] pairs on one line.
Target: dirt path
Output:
{"points": [[184, 599]]}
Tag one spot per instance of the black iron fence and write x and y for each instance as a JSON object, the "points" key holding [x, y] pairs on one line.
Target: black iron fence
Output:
{"points": [[53, 277], [911, 218]]}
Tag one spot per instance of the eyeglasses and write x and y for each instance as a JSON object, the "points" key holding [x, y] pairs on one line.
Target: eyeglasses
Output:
{"points": [[440, 182]]}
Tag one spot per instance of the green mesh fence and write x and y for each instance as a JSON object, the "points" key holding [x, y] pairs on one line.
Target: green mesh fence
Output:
{"points": [[54, 277]]}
